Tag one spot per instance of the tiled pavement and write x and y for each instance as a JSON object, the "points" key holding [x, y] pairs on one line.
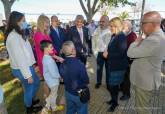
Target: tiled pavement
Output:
{"points": [[99, 97]]}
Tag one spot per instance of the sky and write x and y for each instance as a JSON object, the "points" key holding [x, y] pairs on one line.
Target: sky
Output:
{"points": [[67, 9]]}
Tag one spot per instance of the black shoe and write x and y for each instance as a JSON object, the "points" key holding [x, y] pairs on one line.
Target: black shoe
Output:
{"points": [[109, 102], [112, 108], [36, 101], [97, 85], [124, 97], [30, 110]]}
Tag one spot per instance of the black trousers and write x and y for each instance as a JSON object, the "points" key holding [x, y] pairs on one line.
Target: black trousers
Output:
{"points": [[125, 86], [114, 92]]}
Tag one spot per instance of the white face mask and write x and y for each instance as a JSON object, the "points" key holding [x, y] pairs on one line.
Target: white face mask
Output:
{"points": [[24, 25]]}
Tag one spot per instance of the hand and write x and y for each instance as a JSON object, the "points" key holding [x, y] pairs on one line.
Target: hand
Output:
{"points": [[30, 80], [139, 40], [105, 54], [60, 59]]}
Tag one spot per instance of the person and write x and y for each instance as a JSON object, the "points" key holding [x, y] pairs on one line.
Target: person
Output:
{"points": [[163, 25], [78, 34], [51, 76], [148, 54], [42, 33], [100, 40], [116, 55], [22, 59], [57, 34], [91, 27], [2, 105], [131, 37], [75, 77]]}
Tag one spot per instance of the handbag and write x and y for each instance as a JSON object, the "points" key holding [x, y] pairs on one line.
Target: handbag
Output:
{"points": [[163, 67], [84, 95]]}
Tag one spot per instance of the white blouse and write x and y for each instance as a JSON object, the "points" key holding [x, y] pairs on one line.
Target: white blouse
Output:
{"points": [[20, 53]]}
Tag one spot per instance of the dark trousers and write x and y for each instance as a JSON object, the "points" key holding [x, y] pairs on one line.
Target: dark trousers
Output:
{"points": [[83, 58], [100, 63], [125, 86], [90, 45], [114, 92]]}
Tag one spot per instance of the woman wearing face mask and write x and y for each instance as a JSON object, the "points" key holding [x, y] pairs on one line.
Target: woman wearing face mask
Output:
{"points": [[22, 59]]}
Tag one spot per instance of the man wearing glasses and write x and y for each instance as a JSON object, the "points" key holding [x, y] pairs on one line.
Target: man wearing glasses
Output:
{"points": [[148, 54]]}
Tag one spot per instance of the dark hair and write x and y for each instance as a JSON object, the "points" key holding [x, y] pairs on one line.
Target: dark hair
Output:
{"points": [[14, 18], [44, 44]]}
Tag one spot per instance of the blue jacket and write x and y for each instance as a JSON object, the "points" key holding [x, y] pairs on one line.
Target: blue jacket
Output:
{"points": [[74, 74], [57, 41], [74, 36], [117, 52]]}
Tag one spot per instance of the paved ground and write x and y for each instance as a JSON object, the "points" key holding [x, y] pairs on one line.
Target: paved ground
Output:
{"points": [[99, 97]]}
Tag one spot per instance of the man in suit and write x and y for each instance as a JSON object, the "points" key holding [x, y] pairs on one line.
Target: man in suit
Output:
{"points": [[148, 54], [79, 35], [57, 34]]}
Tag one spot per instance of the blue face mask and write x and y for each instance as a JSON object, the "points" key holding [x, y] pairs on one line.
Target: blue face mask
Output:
{"points": [[24, 25]]}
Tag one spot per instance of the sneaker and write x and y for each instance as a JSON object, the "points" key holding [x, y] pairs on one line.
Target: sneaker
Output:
{"points": [[58, 108], [45, 110]]}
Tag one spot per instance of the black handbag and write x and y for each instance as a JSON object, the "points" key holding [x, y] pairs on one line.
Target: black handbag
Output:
{"points": [[84, 95]]}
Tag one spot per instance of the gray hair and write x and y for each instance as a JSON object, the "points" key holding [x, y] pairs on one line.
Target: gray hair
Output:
{"points": [[79, 17], [67, 48], [128, 23]]}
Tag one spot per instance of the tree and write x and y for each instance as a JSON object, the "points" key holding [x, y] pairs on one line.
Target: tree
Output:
{"points": [[90, 11], [7, 7], [124, 15]]}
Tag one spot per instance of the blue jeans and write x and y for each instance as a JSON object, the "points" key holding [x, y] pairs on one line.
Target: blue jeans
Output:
{"points": [[74, 104], [29, 89], [100, 64]]}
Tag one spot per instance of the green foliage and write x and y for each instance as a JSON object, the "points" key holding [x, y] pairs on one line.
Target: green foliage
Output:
{"points": [[116, 3], [124, 15]]}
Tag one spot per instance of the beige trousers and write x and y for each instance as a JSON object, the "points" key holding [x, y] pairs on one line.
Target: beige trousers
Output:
{"points": [[51, 99], [142, 100]]}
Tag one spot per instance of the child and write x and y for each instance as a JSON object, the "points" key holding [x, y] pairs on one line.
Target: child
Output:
{"points": [[51, 76], [75, 77]]}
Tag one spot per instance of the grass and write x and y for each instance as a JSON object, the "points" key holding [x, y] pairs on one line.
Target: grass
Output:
{"points": [[13, 91]]}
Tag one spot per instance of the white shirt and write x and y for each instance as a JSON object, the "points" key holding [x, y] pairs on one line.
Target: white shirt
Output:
{"points": [[80, 31], [20, 53], [91, 28], [100, 40], [50, 71]]}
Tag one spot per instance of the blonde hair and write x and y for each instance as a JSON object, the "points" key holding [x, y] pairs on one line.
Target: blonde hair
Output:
{"points": [[40, 24], [67, 48], [117, 22]]}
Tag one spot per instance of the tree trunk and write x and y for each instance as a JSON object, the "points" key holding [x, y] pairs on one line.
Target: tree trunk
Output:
{"points": [[7, 9], [89, 17]]}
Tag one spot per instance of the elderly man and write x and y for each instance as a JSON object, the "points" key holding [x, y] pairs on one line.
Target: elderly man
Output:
{"points": [[131, 37], [79, 35], [100, 40], [148, 54]]}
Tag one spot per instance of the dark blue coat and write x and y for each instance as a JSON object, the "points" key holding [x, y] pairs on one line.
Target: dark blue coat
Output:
{"points": [[74, 36], [117, 52], [74, 74], [57, 40]]}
